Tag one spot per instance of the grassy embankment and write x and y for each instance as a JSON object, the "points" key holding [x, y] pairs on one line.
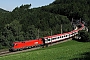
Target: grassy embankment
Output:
{"points": [[70, 50]]}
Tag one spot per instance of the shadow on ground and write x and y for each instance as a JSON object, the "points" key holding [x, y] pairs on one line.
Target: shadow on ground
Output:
{"points": [[84, 56]]}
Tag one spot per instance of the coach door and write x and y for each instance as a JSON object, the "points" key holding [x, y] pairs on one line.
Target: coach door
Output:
{"points": [[46, 40]]}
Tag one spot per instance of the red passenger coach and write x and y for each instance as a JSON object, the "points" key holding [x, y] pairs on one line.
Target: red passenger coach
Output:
{"points": [[26, 44]]}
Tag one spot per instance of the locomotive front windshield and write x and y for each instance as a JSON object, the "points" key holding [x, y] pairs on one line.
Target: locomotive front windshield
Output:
{"points": [[12, 45]]}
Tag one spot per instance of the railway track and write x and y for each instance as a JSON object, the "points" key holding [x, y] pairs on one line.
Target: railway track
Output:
{"points": [[5, 53]]}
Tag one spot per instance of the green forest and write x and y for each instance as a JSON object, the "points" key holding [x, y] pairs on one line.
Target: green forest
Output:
{"points": [[26, 23]]}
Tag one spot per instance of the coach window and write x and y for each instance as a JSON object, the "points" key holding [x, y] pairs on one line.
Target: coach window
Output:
{"points": [[62, 36], [75, 32], [52, 39], [58, 37], [66, 35], [48, 39], [72, 34]]}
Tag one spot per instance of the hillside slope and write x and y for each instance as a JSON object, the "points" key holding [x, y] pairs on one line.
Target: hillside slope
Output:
{"points": [[2, 10], [24, 23]]}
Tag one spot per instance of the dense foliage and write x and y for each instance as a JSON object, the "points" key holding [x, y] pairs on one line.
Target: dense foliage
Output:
{"points": [[25, 23], [85, 37]]}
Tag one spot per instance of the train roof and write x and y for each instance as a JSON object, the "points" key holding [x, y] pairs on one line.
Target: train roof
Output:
{"points": [[53, 36], [57, 35], [25, 41]]}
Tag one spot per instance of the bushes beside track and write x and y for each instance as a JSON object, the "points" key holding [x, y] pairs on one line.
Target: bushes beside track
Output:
{"points": [[85, 36]]}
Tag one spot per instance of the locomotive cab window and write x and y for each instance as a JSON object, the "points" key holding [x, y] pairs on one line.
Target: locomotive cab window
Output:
{"points": [[16, 44], [12, 45]]}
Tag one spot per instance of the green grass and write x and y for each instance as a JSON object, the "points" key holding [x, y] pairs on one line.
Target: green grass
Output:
{"points": [[65, 51]]}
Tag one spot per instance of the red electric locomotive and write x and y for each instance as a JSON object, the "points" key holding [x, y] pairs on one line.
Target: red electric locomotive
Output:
{"points": [[26, 44]]}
